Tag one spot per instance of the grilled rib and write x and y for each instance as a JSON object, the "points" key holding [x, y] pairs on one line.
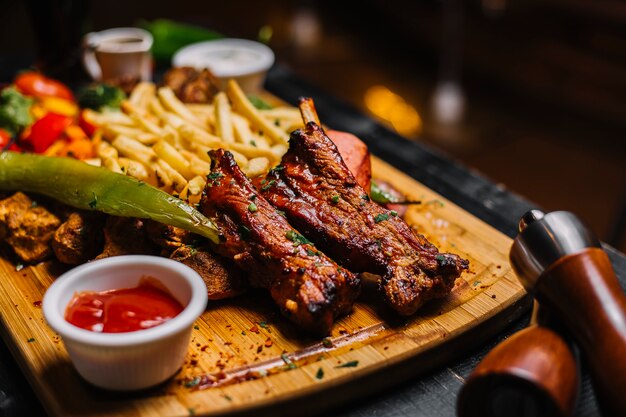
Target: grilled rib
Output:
{"points": [[321, 198], [310, 288]]}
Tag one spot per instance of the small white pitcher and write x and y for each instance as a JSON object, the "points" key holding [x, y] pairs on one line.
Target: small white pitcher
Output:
{"points": [[118, 52]]}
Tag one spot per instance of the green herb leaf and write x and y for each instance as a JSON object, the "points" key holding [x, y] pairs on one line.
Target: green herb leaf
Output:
{"points": [[268, 185], [394, 213], [334, 199], [263, 324], [351, 364], [296, 238], [14, 111], [252, 208], [31, 340], [327, 342], [381, 217], [196, 327], [214, 176], [193, 382], [319, 374], [259, 103]]}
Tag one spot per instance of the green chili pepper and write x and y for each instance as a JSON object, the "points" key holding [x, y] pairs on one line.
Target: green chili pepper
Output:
{"points": [[87, 187]]}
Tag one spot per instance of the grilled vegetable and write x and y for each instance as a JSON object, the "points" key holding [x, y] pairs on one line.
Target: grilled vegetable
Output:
{"points": [[14, 110], [35, 84], [87, 187], [99, 96]]}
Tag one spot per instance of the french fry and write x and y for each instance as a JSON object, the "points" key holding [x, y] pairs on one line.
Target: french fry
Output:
{"points": [[242, 131], [243, 106], [169, 154], [257, 166], [178, 182], [253, 151], [112, 164], [172, 103], [134, 169], [223, 121], [132, 148], [282, 113], [196, 185], [142, 94], [192, 135], [279, 150], [196, 164], [155, 107], [104, 150]]}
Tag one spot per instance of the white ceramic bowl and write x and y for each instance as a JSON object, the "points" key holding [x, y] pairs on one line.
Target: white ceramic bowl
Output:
{"points": [[245, 61], [132, 360]]}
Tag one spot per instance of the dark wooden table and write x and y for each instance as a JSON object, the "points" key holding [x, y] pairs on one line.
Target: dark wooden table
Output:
{"points": [[430, 394]]}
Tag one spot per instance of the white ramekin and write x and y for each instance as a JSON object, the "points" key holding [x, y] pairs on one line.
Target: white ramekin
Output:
{"points": [[252, 60], [132, 360]]}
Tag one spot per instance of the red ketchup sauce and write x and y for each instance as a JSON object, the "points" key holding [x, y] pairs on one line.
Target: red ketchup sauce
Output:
{"points": [[123, 310]]}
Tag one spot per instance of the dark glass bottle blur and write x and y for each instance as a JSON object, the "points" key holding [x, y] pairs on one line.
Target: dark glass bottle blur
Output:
{"points": [[59, 26]]}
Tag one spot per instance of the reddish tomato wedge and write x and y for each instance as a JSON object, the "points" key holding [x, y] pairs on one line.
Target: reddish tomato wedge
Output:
{"points": [[123, 310], [35, 84], [45, 131], [5, 139]]}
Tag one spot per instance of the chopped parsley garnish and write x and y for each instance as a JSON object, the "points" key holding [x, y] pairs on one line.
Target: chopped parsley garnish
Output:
{"points": [[228, 398], [440, 258], [277, 123], [196, 327], [381, 217], [33, 204], [327, 342], [268, 185], [310, 252], [318, 264], [351, 364], [393, 213], [214, 176], [334, 199], [282, 213], [31, 340], [263, 324], [379, 243], [252, 197], [319, 374], [244, 232], [253, 143], [296, 238], [365, 197], [252, 208]]}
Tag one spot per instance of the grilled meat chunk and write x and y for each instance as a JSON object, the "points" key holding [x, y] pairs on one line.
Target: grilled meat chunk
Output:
{"points": [[126, 236], [27, 227], [322, 198], [79, 238], [191, 85], [167, 237], [310, 288], [222, 278]]}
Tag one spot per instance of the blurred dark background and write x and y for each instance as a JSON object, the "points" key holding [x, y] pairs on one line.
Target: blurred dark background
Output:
{"points": [[530, 93]]}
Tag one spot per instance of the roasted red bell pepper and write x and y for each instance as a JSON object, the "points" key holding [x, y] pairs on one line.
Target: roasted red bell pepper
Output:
{"points": [[32, 83], [45, 131], [83, 121]]}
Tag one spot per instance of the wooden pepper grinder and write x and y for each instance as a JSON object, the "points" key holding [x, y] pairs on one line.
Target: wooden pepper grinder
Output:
{"points": [[559, 260], [532, 373]]}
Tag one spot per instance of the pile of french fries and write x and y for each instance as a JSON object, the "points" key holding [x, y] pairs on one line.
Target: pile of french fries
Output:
{"points": [[160, 140]]}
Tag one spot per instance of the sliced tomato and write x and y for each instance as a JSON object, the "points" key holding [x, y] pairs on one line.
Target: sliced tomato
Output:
{"points": [[32, 83], [45, 131]]}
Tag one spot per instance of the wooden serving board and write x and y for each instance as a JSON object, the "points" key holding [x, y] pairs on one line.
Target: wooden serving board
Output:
{"points": [[261, 363]]}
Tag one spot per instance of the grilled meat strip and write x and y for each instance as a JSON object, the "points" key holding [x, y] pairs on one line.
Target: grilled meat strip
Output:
{"points": [[310, 288], [321, 198]]}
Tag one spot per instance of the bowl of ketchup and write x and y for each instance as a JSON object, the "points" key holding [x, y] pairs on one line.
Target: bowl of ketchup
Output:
{"points": [[126, 321]]}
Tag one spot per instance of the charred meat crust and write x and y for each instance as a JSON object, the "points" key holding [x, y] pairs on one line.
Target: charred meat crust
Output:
{"points": [[321, 197], [310, 288]]}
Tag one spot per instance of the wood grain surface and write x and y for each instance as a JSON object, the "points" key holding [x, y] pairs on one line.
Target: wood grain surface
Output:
{"points": [[245, 358]]}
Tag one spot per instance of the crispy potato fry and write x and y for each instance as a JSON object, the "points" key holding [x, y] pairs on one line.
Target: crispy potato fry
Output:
{"points": [[223, 120], [132, 148], [196, 185], [163, 141], [142, 94], [257, 166], [177, 181], [134, 169], [172, 103], [112, 164], [169, 154], [243, 106], [197, 165]]}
